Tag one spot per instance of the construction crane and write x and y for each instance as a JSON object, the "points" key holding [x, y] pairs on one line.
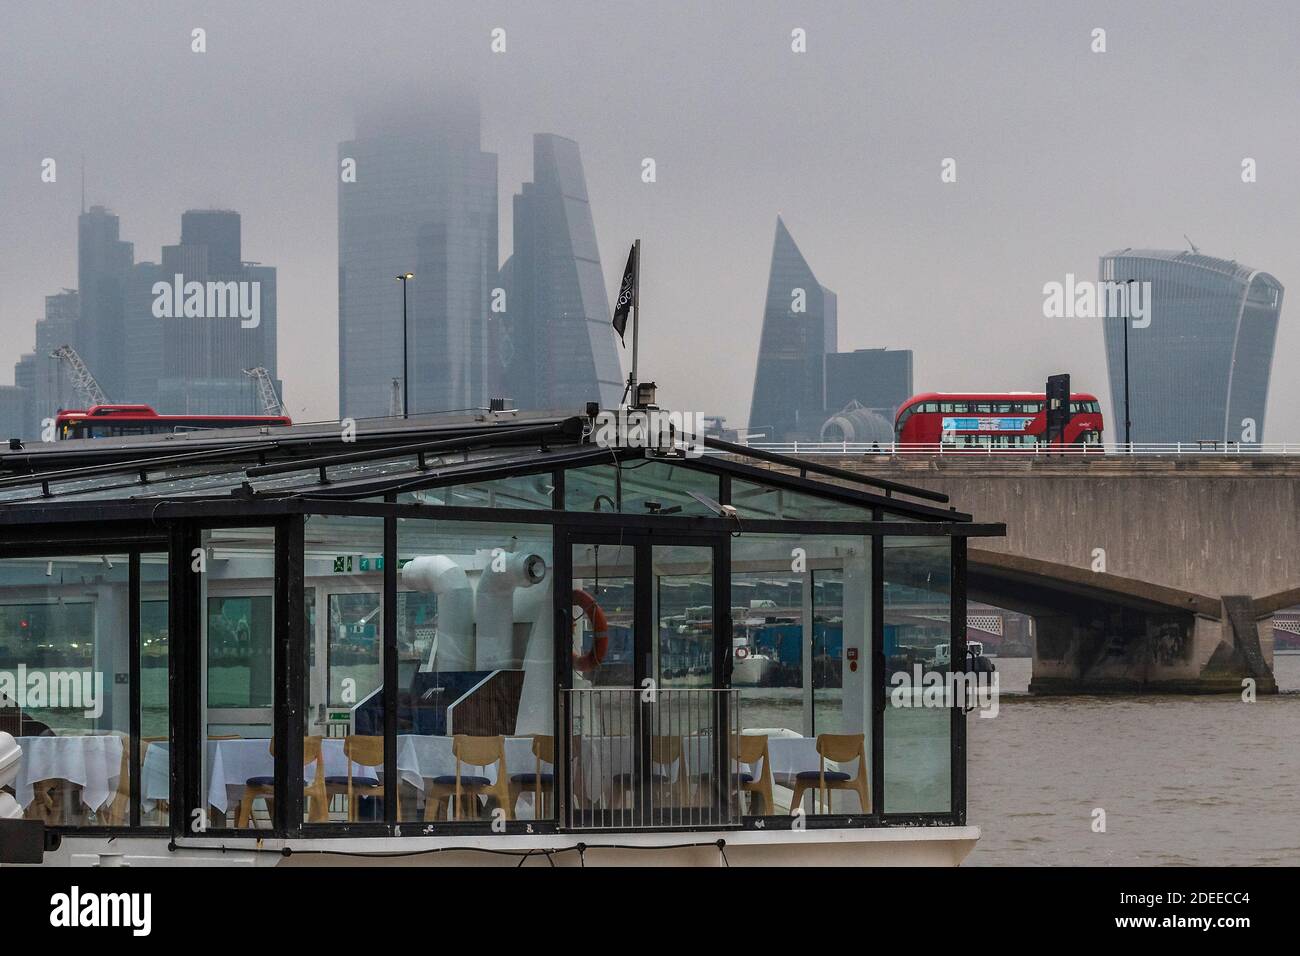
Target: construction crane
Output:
{"points": [[82, 380], [271, 403]]}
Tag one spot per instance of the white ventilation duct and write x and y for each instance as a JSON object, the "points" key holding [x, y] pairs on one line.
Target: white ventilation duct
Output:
{"points": [[536, 607], [494, 605], [453, 647], [10, 754]]}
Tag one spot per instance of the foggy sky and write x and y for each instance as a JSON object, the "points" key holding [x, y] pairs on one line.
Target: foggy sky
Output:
{"points": [[1062, 155]]}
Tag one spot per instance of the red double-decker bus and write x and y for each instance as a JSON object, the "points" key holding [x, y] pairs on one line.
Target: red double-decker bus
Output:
{"points": [[117, 421], [1008, 420]]}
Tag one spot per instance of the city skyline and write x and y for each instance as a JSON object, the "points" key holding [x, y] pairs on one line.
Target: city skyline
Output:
{"points": [[916, 256]]}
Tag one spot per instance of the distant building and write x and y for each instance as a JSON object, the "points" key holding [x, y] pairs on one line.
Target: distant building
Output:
{"points": [[187, 363], [103, 267], [877, 379], [555, 343], [45, 379], [799, 330], [424, 201], [1200, 370]]}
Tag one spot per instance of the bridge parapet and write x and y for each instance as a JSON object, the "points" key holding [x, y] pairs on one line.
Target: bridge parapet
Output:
{"points": [[1129, 549]]}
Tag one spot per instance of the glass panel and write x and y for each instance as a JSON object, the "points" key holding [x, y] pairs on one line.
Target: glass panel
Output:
{"points": [[683, 651], [527, 491], [476, 635], [343, 568], [760, 501], [238, 684], [603, 573], [155, 728], [64, 685], [918, 726], [641, 487], [801, 657]]}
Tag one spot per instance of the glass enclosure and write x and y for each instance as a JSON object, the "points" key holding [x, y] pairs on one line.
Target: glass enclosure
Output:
{"points": [[462, 653]]}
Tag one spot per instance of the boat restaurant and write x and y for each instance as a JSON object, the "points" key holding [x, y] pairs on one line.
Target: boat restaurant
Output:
{"points": [[476, 639]]}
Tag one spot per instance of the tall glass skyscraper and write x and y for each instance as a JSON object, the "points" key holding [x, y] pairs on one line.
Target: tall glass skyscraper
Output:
{"points": [[195, 365], [103, 266], [799, 329], [1200, 370], [556, 346], [424, 200]]}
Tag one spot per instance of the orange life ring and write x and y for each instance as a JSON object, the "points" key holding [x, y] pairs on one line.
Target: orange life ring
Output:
{"points": [[588, 662]]}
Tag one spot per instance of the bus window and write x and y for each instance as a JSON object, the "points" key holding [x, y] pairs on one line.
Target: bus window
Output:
{"points": [[946, 407]]}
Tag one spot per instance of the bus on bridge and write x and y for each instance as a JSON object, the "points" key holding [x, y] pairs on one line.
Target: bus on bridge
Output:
{"points": [[992, 420]]}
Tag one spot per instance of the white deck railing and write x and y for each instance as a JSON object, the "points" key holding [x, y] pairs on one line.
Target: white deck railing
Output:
{"points": [[1203, 449]]}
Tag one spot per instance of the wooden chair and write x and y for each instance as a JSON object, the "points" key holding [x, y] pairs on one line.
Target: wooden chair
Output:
{"points": [[482, 752], [751, 749], [263, 788], [55, 802], [840, 748], [668, 792], [364, 751], [538, 780]]}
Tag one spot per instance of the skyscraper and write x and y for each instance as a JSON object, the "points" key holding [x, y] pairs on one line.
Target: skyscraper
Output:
{"points": [[799, 329], [556, 347], [424, 200], [46, 381], [103, 265], [192, 360], [1200, 370], [877, 379]]}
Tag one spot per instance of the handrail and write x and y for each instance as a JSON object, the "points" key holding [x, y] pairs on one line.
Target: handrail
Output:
{"points": [[1208, 448]]}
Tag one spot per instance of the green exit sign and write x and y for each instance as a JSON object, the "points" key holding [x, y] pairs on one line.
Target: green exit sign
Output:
{"points": [[336, 716]]}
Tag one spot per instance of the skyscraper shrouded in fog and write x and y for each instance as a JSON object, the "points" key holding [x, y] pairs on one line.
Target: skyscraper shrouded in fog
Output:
{"points": [[103, 266], [799, 329], [555, 344], [1200, 370], [47, 384], [194, 364], [424, 201]]}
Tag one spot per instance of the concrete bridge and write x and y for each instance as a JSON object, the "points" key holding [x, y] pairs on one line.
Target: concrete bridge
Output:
{"points": [[1141, 574]]}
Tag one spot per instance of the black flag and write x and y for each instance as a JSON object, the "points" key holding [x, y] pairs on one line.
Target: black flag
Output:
{"points": [[626, 293]]}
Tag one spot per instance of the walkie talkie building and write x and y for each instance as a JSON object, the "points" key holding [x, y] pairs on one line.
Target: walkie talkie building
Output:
{"points": [[1199, 371]]}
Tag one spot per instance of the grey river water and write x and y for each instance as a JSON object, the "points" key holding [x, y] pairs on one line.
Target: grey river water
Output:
{"points": [[1183, 780]]}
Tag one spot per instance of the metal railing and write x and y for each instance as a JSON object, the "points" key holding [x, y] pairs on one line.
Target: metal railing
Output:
{"points": [[1207, 448], [652, 759]]}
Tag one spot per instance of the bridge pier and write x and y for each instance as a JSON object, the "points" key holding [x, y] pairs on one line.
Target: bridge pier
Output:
{"points": [[1122, 651]]}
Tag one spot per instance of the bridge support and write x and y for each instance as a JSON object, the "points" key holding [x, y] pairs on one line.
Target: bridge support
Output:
{"points": [[1124, 651]]}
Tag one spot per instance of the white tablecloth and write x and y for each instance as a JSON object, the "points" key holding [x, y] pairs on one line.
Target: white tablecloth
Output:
{"points": [[232, 762], [93, 762]]}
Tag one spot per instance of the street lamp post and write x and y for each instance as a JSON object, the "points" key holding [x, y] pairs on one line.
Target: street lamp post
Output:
{"points": [[406, 379], [1128, 419]]}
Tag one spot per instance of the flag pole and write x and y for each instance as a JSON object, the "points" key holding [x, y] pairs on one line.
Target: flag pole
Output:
{"points": [[636, 316]]}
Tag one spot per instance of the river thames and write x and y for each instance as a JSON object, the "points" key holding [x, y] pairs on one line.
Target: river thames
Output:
{"points": [[1183, 780]]}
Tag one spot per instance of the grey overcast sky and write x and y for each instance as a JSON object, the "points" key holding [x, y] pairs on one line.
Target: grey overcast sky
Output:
{"points": [[1062, 154]]}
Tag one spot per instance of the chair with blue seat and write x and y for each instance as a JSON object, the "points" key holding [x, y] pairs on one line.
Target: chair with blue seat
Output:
{"points": [[538, 780], [750, 750], [263, 788], [366, 752], [669, 778], [464, 789], [840, 749]]}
